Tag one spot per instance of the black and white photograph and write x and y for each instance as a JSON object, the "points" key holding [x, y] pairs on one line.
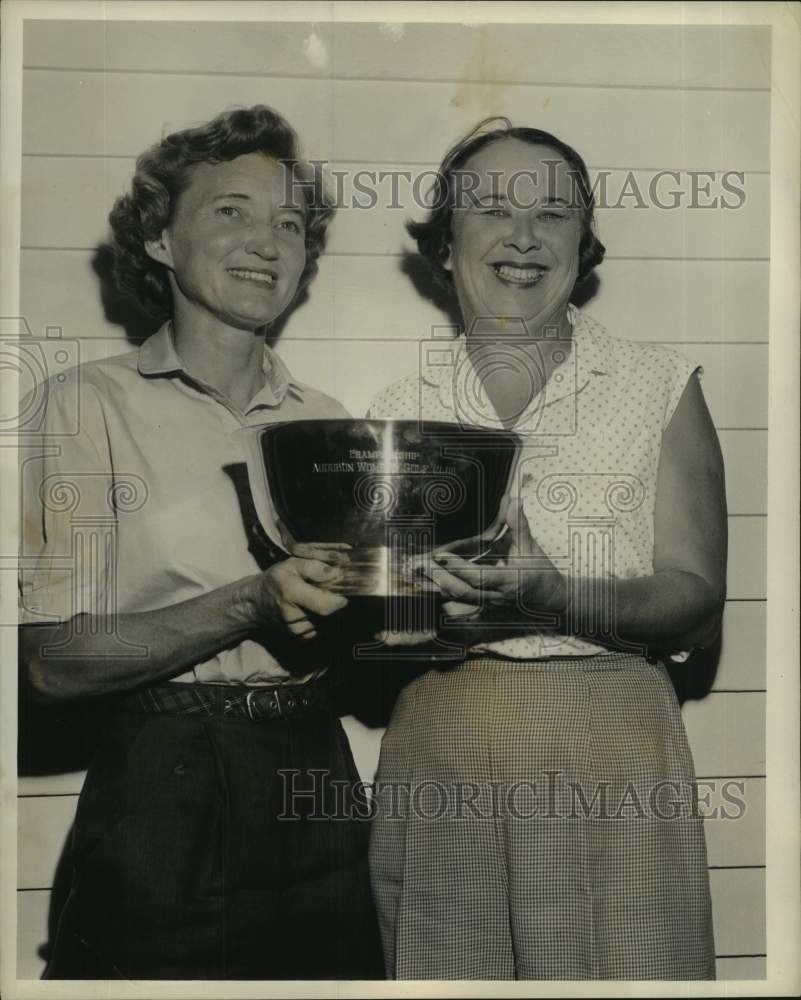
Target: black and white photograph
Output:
{"points": [[400, 548]]}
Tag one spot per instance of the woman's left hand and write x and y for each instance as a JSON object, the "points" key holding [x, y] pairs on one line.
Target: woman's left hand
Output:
{"points": [[525, 578]]}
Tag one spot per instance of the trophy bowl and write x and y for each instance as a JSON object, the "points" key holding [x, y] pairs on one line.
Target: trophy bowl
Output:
{"points": [[391, 490]]}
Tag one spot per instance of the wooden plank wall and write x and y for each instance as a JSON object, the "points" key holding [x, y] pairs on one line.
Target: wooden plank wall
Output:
{"points": [[372, 97]]}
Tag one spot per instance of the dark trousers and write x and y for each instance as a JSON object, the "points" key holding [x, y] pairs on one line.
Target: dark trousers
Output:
{"points": [[195, 858]]}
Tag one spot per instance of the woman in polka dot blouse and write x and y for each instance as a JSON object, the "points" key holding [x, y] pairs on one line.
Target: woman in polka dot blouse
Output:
{"points": [[535, 815]]}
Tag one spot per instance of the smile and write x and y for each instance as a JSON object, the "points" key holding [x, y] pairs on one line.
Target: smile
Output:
{"points": [[266, 278], [521, 277]]}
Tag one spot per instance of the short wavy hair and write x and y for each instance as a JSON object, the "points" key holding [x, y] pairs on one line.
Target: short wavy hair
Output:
{"points": [[434, 235], [163, 173]]}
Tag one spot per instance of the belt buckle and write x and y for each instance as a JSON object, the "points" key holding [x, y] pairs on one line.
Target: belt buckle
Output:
{"points": [[274, 703], [249, 705]]}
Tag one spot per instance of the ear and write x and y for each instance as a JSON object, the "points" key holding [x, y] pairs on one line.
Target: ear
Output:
{"points": [[159, 249]]}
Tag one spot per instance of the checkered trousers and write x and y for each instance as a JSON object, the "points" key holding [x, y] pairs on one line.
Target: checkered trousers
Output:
{"points": [[537, 820]]}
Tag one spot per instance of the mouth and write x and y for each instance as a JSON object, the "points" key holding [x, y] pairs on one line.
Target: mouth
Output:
{"points": [[519, 275], [266, 279]]}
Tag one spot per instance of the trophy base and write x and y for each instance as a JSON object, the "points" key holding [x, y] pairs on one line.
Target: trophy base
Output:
{"points": [[396, 620]]}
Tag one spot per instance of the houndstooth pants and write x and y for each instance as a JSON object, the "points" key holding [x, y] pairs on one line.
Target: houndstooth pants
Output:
{"points": [[537, 820]]}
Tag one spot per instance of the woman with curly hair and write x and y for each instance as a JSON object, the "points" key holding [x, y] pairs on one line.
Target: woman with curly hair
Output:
{"points": [[536, 813], [193, 858]]}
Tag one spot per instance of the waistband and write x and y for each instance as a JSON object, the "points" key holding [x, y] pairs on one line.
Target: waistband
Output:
{"points": [[596, 661], [223, 701]]}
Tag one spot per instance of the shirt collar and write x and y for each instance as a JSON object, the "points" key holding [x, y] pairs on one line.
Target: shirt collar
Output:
{"points": [[158, 356], [448, 367]]}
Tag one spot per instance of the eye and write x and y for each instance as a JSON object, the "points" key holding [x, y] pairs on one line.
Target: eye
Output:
{"points": [[552, 216], [229, 211], [498, 213], [290, 226]]}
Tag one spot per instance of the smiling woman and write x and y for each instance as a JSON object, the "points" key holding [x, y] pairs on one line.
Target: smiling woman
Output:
{"points": [[234, 247], [213, 678], [548, 828], [508, 259]]}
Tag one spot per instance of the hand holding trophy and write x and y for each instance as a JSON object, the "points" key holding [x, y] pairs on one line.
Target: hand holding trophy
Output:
{"points": [[377, 498]]}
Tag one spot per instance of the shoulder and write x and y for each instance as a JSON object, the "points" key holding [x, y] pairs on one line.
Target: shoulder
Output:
{"points": [[99, 374], [399, 400], [77, 389], [631, 358], [651, 377]]}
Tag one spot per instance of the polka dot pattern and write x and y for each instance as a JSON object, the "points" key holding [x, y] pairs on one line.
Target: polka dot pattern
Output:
{"points": [[591, 442]]}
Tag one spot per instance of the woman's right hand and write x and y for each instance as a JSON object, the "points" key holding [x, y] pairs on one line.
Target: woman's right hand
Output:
{"points": [[108, 654], [288, 590]]}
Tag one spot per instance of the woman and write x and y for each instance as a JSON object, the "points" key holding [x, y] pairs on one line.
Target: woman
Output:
{"points": [[548, 828], [206, 842]]}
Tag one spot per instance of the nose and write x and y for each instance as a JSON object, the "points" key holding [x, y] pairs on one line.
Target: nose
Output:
{"points": [[263, 243], [523, 234]]}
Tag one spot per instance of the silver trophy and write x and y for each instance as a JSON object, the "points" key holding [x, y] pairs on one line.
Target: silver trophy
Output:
{"points": [[391, 490]]}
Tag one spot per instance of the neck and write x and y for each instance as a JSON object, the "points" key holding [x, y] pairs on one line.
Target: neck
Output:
{"points": [[530, 352], [224, 357]]}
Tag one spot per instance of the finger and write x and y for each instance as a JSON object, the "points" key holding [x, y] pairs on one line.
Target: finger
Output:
{"points": [[316, 571], [475, 543], [310, 598], [296, 621], [459, 610], [453, 586], [466, 581], [464, 569], [417, 570]]}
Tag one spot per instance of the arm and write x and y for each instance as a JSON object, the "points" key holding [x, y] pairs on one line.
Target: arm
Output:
{"points": [[176, 637], [679, 605], [68, 470]]}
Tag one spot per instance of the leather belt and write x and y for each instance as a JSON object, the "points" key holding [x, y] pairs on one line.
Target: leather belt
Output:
{"points": [[258, 704]]}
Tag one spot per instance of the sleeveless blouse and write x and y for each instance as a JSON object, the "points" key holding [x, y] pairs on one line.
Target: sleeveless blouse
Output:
{"points": [[588, 469]]}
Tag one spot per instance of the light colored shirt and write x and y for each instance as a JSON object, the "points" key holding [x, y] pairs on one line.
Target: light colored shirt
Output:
{"points": [[591, 442], [127, 499]]}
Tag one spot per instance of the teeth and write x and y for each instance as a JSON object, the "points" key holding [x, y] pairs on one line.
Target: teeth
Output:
{"points": [[520, 275], [257, 276]]}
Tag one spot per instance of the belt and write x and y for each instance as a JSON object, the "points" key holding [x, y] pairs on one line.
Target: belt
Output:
{"points": [[258, 704]]}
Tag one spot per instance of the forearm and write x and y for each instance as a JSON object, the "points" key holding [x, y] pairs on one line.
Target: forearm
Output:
{"points": [[666, 611], [91, 656], [671, 609]]}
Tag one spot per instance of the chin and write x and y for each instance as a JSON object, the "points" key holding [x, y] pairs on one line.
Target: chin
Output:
{"points": [[254, 320]]}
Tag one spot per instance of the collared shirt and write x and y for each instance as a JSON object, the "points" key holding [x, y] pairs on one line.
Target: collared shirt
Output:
{"points": [[130, 500], [591, 442]]}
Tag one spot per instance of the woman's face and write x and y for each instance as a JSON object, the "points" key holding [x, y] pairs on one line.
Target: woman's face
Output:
{"points": [[235, 246], [516, 235]]}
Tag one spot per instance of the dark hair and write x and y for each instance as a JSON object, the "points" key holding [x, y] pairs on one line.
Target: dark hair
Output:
{"points": [[162, 174], [434, 235]]}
